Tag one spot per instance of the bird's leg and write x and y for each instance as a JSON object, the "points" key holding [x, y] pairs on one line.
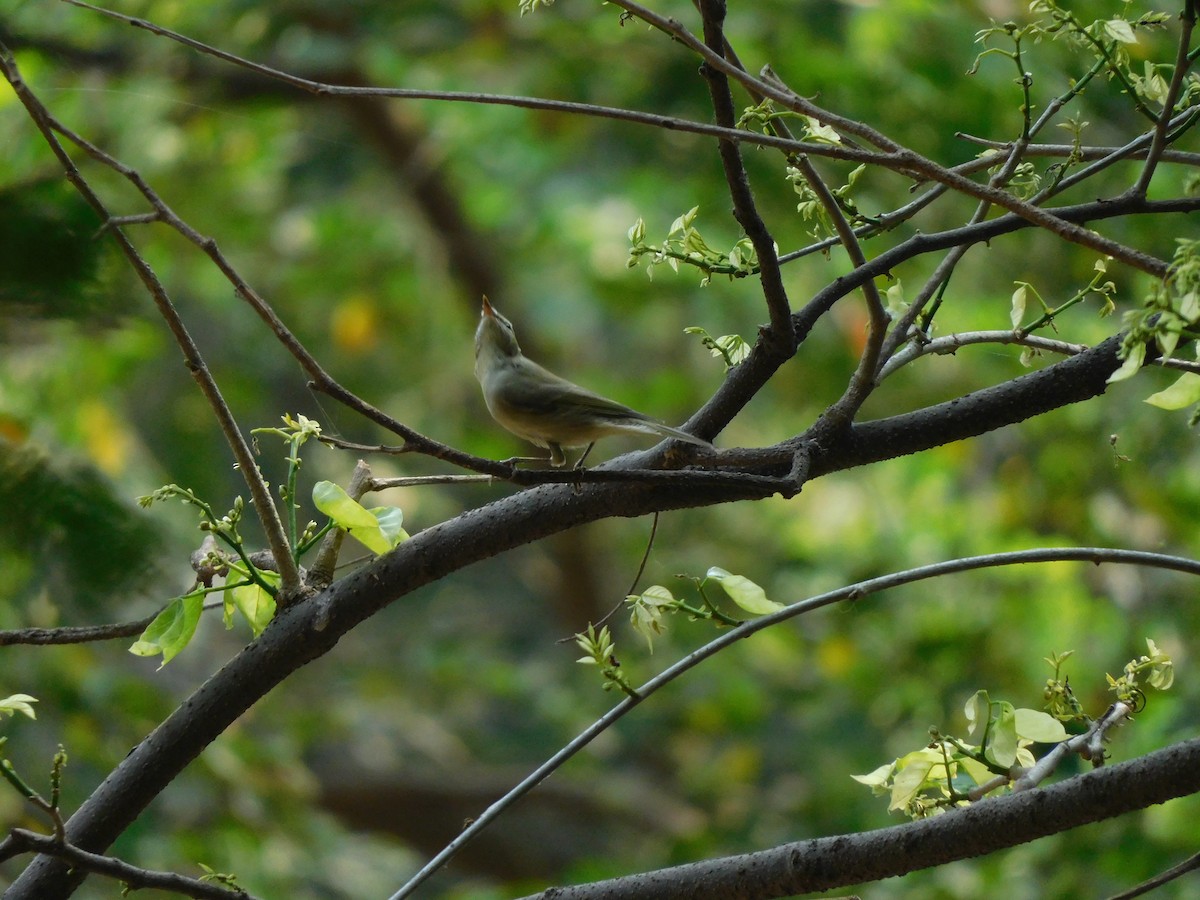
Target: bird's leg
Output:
{"points": [[558, 459], [583, 456]]}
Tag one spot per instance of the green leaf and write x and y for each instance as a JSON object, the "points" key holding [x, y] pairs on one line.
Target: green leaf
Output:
{"points": [[1189, 306], [18, 703], [912, 772], [254, 603], [378, 530], [1120, 30], [1184, 392], [744, 592], [390, 519], [1133, 363], [878, 778], [1002, 737], [977, 710], [1017, 314], [1038, 726], [658, 596], [978, 772], [171, 630]]}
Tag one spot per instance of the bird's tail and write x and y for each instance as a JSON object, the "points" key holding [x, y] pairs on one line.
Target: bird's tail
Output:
{"points": [[668, 431]]}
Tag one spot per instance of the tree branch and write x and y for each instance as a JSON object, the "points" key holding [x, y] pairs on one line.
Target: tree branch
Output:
{"points": [[135, 878], [779, 336], [79, 634]]}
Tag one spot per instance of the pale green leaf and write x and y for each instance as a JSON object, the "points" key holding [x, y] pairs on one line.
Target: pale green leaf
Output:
{"points": [[18, 703], [657, 595], [878, 777], [744, 592], [361, 523], [821, 132], [254, 603], [1040, 727], [1002, 737], [390, 519], [345, 511], [1184, 392], [1189, 306], [1131, 365], [1120, 30], [171, 629], [732, 347], [912, 772], [1017, 314], [978, 772], [977, 710]]}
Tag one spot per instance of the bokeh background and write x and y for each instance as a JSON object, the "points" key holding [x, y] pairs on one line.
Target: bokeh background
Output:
{"points": [[373, 227]]}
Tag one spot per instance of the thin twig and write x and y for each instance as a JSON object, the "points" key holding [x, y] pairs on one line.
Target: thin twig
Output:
{"points": [[264, 502], [950, 343], [654, 120], [1134, 150], [79, 634], [1191, 864], [1088, 742], [1187, 22], [22, 840], [633, 584]]}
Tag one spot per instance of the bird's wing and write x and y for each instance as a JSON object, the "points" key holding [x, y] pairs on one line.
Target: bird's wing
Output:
{"points": [[546, 393]]}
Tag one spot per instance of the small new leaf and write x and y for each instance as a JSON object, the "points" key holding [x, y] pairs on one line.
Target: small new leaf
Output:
{"points": [[376, 529], [646, 613], [1017, 315], [18, 703], [254, 603], [1039, 727], [744, 592], [1132, 364], [171, 630], [1183, 393]]}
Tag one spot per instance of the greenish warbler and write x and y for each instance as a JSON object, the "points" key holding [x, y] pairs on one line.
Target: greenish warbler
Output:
{"points": [[535, 404]]}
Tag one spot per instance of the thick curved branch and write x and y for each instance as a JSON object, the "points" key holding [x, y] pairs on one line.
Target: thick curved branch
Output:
{"points": [[1075, 379]]}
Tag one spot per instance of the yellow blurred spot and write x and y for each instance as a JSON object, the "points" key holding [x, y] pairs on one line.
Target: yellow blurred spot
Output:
{"points": [[836, 655], [105, 436], [740, 763], [12, 430], [355, 324]]}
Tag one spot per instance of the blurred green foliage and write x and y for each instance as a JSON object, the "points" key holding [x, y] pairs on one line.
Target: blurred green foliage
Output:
{"points": [[373, 229]]}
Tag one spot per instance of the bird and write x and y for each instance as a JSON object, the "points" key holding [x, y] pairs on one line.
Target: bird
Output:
{"points": [[548, 411]]}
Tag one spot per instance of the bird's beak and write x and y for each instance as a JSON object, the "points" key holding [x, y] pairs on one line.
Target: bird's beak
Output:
{"points": [[487, 308]]}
